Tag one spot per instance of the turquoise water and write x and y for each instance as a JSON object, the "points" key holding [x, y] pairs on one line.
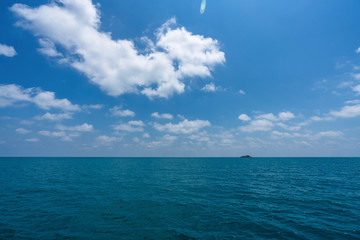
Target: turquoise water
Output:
{"points": [[179, 198]]}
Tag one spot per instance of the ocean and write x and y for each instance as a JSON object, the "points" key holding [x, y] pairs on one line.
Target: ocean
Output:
{"points": [[179, 198]]}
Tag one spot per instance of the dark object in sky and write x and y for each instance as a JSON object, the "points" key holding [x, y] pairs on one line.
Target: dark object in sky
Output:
{"points": [[246, 156]]}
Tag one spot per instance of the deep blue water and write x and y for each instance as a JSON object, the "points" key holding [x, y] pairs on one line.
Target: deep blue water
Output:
{"points": [[179, 198]]}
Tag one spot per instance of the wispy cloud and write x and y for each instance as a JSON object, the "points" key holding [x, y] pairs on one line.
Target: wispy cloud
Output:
{"points": [[11, 94], [163, 115], [54, 117], [106, 140], [118, 111], [22, 130], [184, 127], [79, 128], [131, 126], [32, 140]]}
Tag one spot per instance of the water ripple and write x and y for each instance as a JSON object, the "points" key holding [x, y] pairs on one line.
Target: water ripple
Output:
{"points": [[179, 198]]}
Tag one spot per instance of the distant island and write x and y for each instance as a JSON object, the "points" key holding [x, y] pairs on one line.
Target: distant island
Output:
{"points": [[246, 156]]}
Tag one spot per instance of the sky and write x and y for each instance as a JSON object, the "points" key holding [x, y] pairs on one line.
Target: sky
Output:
{"points": [[165, 78]]}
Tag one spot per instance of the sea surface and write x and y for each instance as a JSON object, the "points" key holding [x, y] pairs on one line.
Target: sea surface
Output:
{"points": [[179, 198]]}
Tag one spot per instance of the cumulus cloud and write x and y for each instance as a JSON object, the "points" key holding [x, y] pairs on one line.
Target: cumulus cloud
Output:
{"points": [[210, 88], [184, 127], [11, 94], [347, 111], [265, 122], [118, 111], [116, 66], [54, 117], [7, 51], [163, 115], [244, 117], [258, 125], [285, 116], [131, 126]]}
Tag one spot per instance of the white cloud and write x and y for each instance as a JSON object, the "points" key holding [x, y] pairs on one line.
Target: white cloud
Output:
{"points": [[137, 123], [287, 127], [164, 141], [316, 136], [163, 115], [285, 116], [117, 111], [200, 137], [22, 131], [195, 53], [79, 128], [146, 135], [244, 117], [32, 140], [356, 89], [356, 76], [116, 66], [209, 88], [345, 84], [93, 106], [242, 92], [106, 140], [356, 101], [357, 50], [225, 138], [26, 122], [282, 116], [62, 135], [267, 116], [347, 111], [11, 94], [277, 134], [318, 119], [184, 127], [169, 138], [332, 134], [7, 51], [131, 126], [54, 117], [258, 125], [48, 48], [266, 122]]}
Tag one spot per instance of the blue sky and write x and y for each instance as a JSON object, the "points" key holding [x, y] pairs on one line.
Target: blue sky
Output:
{"points": [[158, 78]]}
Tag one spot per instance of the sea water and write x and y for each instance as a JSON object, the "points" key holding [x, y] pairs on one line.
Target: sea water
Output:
{"points": [[179, 198]]}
